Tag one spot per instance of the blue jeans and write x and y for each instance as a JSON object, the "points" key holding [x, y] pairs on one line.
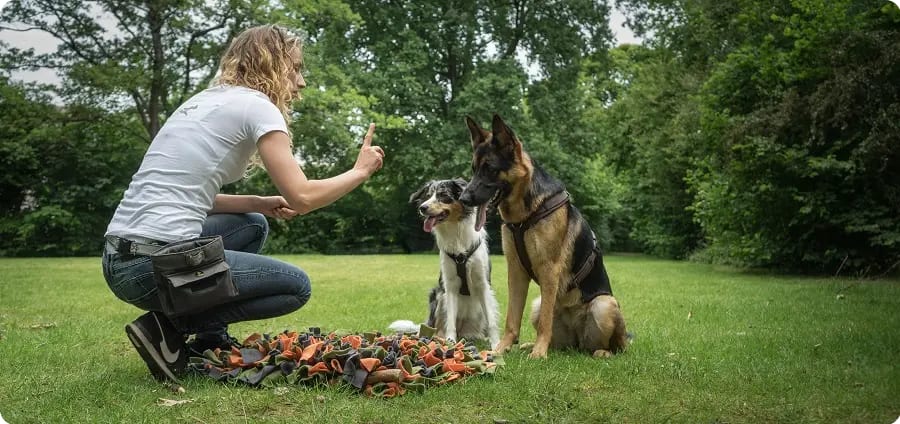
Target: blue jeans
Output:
{"points": [[266, 287]]}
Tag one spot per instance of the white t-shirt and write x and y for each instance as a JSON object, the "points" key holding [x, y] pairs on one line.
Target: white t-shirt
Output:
{"points": [[206, 143]]}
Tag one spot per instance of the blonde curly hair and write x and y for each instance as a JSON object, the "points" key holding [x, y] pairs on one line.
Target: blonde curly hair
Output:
{"points": [[265, 58]]}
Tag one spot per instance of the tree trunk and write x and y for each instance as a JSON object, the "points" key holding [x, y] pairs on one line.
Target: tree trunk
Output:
{"points": [[157, 63]]}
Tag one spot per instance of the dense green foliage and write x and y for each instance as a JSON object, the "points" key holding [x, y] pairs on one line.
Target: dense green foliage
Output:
{"points": [[758, 133], [763, 133]]}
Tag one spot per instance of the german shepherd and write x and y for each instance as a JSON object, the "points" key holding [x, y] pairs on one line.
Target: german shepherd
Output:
{"points": [[547, 240]]}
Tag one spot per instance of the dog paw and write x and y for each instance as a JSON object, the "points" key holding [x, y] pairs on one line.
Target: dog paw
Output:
{"points": [[535, 354], [602, 353]]}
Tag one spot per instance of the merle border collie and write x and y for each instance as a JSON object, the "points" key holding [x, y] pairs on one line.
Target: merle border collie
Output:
{"points": [[462, 305]]}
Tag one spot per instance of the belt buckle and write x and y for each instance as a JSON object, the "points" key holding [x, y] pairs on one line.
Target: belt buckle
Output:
{"points": [[124, 246]]}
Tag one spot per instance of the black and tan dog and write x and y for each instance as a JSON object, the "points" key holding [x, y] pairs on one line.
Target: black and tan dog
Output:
{"points": [[547, 240]]}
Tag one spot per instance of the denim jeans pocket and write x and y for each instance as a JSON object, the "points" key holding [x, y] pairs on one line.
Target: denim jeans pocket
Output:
{"points": [[130, 278]]}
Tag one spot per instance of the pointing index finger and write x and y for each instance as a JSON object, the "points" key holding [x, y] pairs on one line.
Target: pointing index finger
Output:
{"points": [[367, 140]]}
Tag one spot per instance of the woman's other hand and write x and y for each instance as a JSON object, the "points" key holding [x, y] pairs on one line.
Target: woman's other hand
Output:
{"points": [[276, 207]]}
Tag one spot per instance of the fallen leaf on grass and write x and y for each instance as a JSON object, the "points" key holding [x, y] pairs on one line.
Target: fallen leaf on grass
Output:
{"points": [[690, 314], [172, 402], [42, 325]]}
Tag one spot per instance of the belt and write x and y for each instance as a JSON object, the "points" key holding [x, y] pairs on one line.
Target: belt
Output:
{"points": [[129, 247]]}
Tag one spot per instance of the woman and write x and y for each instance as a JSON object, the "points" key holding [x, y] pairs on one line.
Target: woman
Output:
{"points": [[209, 141]]}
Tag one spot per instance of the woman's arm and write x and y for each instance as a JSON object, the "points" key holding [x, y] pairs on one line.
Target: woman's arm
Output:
{"points": [[235, 203], [304, 195], [272, 206]]}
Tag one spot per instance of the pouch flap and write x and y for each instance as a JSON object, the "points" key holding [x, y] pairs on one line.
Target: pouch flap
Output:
{"points": [[176, 256], [183, 278]]}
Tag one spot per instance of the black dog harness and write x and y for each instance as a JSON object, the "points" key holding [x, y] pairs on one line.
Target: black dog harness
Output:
{"points": [[461, 259], [592, 287]]}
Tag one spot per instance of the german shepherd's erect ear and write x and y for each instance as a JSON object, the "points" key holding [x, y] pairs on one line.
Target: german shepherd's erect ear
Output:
{"points": [[504, 136], [477, 134]]}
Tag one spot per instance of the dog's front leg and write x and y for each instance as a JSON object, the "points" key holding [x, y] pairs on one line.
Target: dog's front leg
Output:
{"points": [[517, 281], [544, 325], [451, 302], [490, 318]]}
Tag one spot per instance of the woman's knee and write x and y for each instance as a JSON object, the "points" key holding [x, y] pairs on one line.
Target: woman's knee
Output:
{"points": [[302, 287], [259, 219]]}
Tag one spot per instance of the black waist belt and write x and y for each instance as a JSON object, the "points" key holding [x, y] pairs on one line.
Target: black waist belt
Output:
{"points": [[129, 247]]}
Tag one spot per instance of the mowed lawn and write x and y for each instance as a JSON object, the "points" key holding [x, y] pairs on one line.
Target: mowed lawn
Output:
{"points": [[712, 344]]}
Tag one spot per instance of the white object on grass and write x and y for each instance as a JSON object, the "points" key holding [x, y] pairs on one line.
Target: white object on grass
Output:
{"points": [[404, 326]]}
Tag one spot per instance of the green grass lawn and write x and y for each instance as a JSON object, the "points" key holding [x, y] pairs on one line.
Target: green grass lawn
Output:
{"points": [[712, 344]]}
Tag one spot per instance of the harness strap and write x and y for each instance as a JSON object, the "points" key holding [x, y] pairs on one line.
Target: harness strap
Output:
{"points": [[587, 265], [549, 206], [461, 259]]}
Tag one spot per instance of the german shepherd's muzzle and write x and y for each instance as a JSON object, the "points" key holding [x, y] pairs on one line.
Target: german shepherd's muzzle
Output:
{"points": [[545, 239]]}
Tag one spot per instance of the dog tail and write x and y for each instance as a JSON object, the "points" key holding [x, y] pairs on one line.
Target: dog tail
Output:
{"points": [[404, 326]]}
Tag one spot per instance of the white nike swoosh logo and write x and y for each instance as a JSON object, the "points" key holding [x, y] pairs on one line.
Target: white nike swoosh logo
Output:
{"points": [[168, 355]]}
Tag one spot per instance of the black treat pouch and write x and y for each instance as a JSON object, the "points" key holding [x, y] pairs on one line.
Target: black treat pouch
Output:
{"points": [[192, 276]]}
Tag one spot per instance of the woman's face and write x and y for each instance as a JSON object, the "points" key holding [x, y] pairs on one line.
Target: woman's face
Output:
{"points": [[296, 73]]}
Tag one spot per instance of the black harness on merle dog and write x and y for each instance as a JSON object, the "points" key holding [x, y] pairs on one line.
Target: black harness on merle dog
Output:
{"points": [[461, 259], [592, 287]]}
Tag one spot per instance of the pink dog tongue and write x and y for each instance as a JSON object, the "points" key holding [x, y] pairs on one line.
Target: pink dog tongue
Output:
{"points": [[481, 218], [429, 224]]}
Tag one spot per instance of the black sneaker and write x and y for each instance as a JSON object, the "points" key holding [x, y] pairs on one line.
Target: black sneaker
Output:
{"points": [[202, 342], [160, 345]]}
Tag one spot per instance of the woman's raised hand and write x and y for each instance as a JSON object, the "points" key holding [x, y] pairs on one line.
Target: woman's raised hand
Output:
{"points": [[370, 157]]}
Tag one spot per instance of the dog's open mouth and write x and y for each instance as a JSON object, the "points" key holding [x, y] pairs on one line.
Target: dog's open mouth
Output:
{"points": [[432, 220], [491, 204]]}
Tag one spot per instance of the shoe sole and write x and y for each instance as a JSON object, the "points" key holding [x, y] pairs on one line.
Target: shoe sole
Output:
{"points": [[158, 367]]}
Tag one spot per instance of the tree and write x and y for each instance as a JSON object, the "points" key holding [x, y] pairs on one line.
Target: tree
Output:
{"points": [[781, 147], [155, 53], [57, 194], [807, 172], [414, 68], [430, 63]]}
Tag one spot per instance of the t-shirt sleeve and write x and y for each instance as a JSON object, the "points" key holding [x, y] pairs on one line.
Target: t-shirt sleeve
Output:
{"points": [[262, 117]]}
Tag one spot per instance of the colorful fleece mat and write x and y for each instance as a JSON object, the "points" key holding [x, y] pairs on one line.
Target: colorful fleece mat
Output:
{"points": [[374, 364]]}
